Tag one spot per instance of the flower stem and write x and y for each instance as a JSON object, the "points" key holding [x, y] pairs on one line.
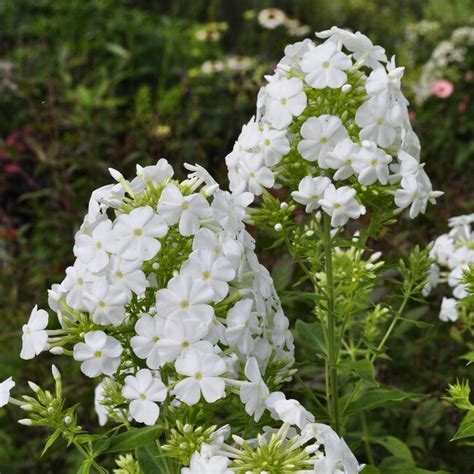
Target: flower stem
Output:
{"points": [[331, 326]]}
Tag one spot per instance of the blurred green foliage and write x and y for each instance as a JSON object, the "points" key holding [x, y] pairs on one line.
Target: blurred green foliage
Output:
{"points": [[88, 84]]}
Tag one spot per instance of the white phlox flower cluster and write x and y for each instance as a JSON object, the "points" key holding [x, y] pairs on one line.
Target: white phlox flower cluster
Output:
{"points": [[166, 301], [314, 449], [332, 126], [453, 253]]}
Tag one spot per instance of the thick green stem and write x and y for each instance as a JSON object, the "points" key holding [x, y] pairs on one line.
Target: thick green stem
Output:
{"points": [[331, 326]]}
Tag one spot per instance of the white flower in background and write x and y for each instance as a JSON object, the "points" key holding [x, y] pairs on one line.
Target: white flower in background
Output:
{"points": [[202, 373], [186, 298], [373, 118], [320, 135], [145, 344], [324, 66], [341, 158], [99, 354], [34, 338], [371, 164], [255, 392], [144, 390], [310, 191], [181, 335], [188, 210], [93, 249], [341, 205], [271, 18], [273, 144], [127, 275], [448, 310], [137, 234], [242, 325], [285, 100], [5, 388], [215, 272], [412, 194], [205, 462], [106, 303]]}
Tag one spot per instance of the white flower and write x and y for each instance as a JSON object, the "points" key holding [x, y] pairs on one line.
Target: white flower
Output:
{"points": [[206, 463], [77, 283], [273, 144], [371, 164], [242, 324], [386, 81], [229, 210], [341, 205], [100, 354], [188, 210], [215, 272], [202, 371], [5, 389], [253, 393], [99, 397], [144, 390], [93, 249], [409, 165], [156, 173], [373, 118], [320, 135], [342, 158], [324, 66], [145, 344], [270, 18], [127, 275], [253, 175], [106, 303], [310, 191], [294, 52], [289, 411], [414, 194], [182, 335], [137, 234], [184, 297], [286, 100], [34, 338]]}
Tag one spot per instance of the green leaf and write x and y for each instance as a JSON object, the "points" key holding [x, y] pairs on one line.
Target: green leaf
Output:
{"points": [[312, 335], [395, 446], [370, 470], [50, 441], [466, 430], [147, 457], [85, 467], [379, 397], [300, 294], [133, 439], [363, 368], [418, 324], [469, 357]]}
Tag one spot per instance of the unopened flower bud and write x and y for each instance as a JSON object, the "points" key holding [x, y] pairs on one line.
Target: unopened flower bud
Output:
{"points": [[346, 88], [57, 350], [117, 175], [278, 227], [55, 372], [25, 422], [155, 266], [26, 407], [309, 233], [284, 205], [187, 428], [67, 420], [50, 410], [34, 387]]}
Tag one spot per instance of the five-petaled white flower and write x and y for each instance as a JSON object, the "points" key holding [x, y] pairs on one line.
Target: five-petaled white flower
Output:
{"points": [[202, 373], [205, 462], [106, 303], [35, 337], [324, 66], [341, 204], [187, 298], [310, 191], [242, 325], [145, 344], [137, 234], [5, 389], [144, 390], [127, 275], [320, 135], [371, 164], [342, 158], [188, 210], [285, 100], [273, 144], [99, 354]]}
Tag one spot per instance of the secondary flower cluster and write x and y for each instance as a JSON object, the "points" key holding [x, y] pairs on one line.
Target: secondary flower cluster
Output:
{"points": [[453, 253], [166, 299], [327, 117], [315, 448]]}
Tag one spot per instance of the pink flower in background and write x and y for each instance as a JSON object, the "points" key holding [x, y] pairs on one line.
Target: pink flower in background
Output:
{"points": [[12, 168], [442, 88]]}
